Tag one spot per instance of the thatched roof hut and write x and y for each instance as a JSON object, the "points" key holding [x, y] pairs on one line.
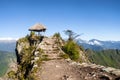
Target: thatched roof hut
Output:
{"points": [[38, 28]]}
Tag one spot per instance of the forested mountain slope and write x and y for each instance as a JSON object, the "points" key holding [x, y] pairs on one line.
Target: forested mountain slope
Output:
{"points": [[110, 57], [5, 59]]}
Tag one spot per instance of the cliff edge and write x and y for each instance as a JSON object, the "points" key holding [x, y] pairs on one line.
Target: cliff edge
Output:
{"points": [[44, 58]]}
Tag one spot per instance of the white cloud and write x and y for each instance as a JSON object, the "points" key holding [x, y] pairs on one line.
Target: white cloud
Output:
{"points": [[8, 38]]}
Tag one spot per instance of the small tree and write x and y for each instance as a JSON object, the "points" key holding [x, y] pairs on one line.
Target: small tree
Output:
{"points": [[71, 35]]}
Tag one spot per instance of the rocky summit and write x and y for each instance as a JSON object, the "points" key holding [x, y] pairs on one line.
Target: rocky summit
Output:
{"points": [[43, 58]]}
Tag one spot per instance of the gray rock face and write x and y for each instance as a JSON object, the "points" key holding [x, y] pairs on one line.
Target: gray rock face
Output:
{"points": [[21, 45]]}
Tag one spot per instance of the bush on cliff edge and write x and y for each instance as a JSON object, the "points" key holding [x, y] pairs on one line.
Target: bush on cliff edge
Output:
{"points": [[72, 49]]}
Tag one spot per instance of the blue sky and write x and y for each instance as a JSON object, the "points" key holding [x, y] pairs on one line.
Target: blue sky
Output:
{"points": [[98, 19]]}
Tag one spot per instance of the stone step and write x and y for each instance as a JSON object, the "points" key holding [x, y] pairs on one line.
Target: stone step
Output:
{"points": [[53, 56], [51, 52], [49, 48]]}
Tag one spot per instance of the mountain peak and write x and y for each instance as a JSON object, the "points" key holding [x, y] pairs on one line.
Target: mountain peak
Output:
{"points": [[94, 42]]}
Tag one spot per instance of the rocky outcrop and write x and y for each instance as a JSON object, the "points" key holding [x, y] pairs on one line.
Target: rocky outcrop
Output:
{"points": [[21, 44], [113, 74], [42, 61]]}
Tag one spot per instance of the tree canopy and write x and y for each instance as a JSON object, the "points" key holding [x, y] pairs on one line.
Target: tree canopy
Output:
{"points": [[71, 35]]}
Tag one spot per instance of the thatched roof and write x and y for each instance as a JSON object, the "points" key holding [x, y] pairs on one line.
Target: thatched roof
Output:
{"points": [[37, 28]]}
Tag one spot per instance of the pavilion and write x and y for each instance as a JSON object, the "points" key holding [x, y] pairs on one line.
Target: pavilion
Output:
{"points": [[38, 28]]}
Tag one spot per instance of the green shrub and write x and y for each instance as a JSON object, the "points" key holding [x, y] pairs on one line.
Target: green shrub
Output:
{"points": [[24, 39], [59, 41], [65, 56], [11, 74], [57, 35], [45, 58], [72, 49], [40, 50]]}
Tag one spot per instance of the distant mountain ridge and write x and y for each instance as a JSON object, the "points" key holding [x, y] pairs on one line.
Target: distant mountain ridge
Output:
{"points": [[95, 44], [7, 45], [5, 59], [7, 55]]}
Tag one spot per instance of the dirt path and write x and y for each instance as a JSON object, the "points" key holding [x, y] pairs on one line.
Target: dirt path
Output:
{"points": [[64, 70], [58, 70]]}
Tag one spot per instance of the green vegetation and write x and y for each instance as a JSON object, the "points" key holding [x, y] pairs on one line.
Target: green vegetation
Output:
{"points": [[72, 49], [109, 57], [45, 58], [29, 61], [65, 56], [24, 39], [71, 35], [59, 40], [25, 66], [32, 39], [4, 61], [57, 35], [11, 74]]}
